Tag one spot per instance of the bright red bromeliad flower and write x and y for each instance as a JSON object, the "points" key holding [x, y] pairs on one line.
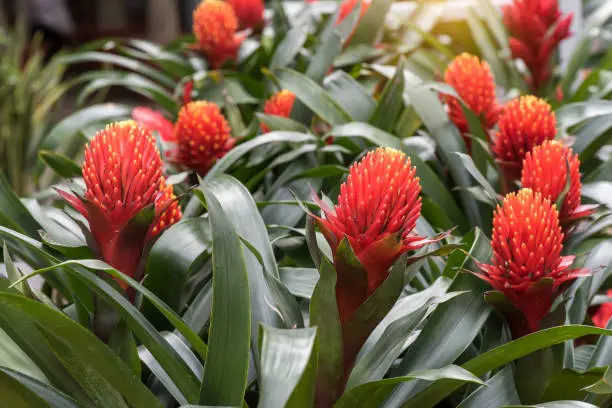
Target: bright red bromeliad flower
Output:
{"points": [[603, 313], [474, 83], [377, 210], [536, 28], [527, 266], [279, 104], [524, 123], [123, 176], [545, 170], [214, 25], [202, 135], [250, 13]]}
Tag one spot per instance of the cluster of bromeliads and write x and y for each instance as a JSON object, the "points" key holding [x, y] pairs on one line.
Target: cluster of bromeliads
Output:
{"points": [[379, 203]]}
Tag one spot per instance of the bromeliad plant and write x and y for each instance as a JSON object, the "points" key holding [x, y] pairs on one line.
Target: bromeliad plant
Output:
{"points": [[193, 255]]}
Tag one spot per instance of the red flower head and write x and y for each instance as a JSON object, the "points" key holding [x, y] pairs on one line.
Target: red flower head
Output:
{"points": [[524, 123], [123, 176], [473, 82], [603, 313], [377, 210], [527, 266], [155, 121], [203, 136], [215, 25], [345, 9], [187, 91], [536, 28], [545, 170], [279, 104], [250, 13]]}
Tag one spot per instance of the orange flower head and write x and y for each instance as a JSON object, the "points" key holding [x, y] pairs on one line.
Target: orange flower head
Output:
{"points": [[214, 25], [524, 123], [250, 13], [279, 104], [545, 170], [123, 177], [203, 136], [527, 266], [603, 313], [473, 82]]}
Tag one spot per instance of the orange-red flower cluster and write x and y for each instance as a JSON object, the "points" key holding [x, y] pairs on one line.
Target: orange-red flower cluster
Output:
{"points": [[474, 83], [279, 104], [123, 176], [524, 123], [536, 28], [545, 170], [250, 13], [203, 136], [527, 266], [215, 25]]}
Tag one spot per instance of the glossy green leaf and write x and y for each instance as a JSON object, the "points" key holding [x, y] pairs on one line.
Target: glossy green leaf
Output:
{"points": [[226, 366], [300, 281], [592, 136], [15, 394], [14, 358], [285, 357], [574, 113], [85, 345], [312, 95], [288, 48], [281, 123], [61, 165], [556, 404], [13, 213], [373, 394], [477, 175], [504, 354], [391, 102], [498, 391], [53, 397], [350, 95], [371, 23], [324, 315], [486, 46]]}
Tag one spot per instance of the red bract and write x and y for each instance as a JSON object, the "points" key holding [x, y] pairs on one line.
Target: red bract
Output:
{"points": [[473, 82], [545, 170], [123, 176], [524, 123], [203, 136], [215, 25], [603, 313], [527, 266], [377, 210], [536, 28], [250, 13], [155, 121], [279, 104]]}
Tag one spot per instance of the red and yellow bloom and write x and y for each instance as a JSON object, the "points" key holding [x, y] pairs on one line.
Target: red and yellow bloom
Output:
{"points": [[527, 266], [214, 25], [474, 83], [545, 171], [524, 123], [202, 136], [123, 177], [279, 104]]}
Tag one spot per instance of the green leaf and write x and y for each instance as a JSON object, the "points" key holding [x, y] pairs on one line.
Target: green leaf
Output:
{"points": [[124, 62], [486, 46], [13, 357], [52, 396], [498, 391], [324, 315], [281, 123], [574, 113], [87, 347], [61, 165], [13, 213], [15, 394], [391, 101], [227, 363], [300, 281], [312, 95], [504, 354], [68, 127], [374, 394], [350, 95], [371, 23], [169, 263], [288, 48], [568, 384], [474, 172], [603, 385], [592, 136], [288, 357], [556, 404], [451, 328]]}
